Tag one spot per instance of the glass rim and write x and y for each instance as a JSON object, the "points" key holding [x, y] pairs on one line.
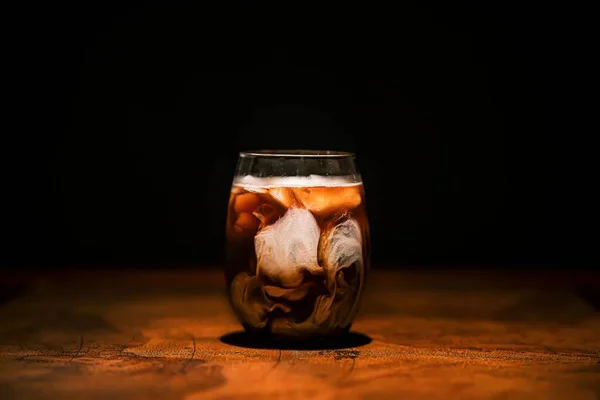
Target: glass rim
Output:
{"points": [[296, 153]]}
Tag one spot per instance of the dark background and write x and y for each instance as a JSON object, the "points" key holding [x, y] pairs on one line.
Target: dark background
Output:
{"points": [[125, 122]]}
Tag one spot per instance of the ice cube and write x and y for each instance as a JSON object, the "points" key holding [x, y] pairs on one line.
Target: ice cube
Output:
{"points": [[324, 200], [284, 196], [267, 214], [288, 248], [245, 224], [340, 246], [247, 202]]}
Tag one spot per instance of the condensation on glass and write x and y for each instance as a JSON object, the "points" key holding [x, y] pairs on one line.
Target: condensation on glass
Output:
{"points": [[297, 242]]}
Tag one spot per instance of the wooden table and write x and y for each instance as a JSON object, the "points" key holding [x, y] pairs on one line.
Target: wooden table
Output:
{"points": [[420, 335]]}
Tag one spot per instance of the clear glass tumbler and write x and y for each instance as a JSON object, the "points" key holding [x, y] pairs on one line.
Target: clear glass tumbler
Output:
{"points": [[297, 242]]}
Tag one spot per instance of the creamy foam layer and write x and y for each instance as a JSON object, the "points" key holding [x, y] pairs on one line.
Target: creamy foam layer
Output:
{"points": [[253, 182]]}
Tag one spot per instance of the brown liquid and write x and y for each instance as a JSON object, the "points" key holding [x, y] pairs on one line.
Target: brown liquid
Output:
{"points": [[297, 258]]}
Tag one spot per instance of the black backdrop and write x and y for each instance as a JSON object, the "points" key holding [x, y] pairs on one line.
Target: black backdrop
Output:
{"points": [[126, 122]]}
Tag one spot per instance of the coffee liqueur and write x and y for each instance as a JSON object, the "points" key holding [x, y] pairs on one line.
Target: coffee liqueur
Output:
{"points": [[297, 253]]}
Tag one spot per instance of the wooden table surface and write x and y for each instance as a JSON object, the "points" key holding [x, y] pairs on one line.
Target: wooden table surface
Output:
{"points": [[419, 335]]}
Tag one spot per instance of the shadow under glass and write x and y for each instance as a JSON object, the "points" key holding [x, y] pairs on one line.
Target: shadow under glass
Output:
{"points": [[253, 341]]}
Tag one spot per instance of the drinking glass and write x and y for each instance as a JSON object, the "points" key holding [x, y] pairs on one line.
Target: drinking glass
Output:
{"points": [[297, 242]]}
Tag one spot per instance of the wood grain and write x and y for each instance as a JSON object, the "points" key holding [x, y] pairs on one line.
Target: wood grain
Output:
{"points": [[168, 335]]}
